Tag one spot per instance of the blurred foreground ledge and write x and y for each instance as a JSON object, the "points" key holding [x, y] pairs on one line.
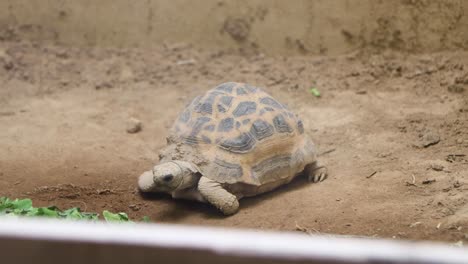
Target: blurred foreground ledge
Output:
{"points": [[55, 241]]}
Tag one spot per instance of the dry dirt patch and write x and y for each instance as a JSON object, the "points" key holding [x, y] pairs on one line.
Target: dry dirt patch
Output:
{"points": [[393, 129]]}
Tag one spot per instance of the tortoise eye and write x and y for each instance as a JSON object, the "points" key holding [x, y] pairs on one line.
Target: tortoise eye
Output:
{"points": [[168, 177]]}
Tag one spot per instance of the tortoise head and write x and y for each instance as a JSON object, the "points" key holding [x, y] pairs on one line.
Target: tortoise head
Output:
{"points": [[169, 176]]}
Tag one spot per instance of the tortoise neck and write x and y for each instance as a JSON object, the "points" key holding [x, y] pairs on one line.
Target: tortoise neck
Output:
{"points": [[190, 174]]}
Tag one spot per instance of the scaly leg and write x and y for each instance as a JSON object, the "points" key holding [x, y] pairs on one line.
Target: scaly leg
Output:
{"points": [[216, 195]]}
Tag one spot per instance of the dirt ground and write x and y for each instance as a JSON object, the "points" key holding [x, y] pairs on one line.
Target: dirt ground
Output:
{"points": [[392, 128]]}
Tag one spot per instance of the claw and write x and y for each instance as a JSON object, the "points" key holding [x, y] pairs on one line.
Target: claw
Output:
{"points": [[318, 174]]}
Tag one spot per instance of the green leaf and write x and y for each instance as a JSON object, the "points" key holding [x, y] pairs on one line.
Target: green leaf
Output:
{"points": [[23, 204], [3, 200], [146, 219], [4, 203], [17, 207], [123, 216], [32, 212], [23, 207], [90, 216], [72, 213], [315, 92], [47, 211], [111, 217]]}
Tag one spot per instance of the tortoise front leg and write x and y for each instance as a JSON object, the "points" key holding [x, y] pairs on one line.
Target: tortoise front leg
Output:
{"points": [[316, 172], [216, 195]]}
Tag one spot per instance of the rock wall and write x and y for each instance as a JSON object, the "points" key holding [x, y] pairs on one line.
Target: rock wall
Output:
{"points": [[290, 27]]}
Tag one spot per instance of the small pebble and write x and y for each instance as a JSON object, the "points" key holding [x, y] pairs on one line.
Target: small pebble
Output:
{"points": [[361, 92], [103, 85], [429, 181], [8, 65], [134, 207], [430, 138], [456, 88], [134, 125], [437, 167]]}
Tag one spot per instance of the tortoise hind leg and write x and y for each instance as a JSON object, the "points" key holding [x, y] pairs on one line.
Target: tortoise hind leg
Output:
{"points": [[316, 172], [216, 195]]}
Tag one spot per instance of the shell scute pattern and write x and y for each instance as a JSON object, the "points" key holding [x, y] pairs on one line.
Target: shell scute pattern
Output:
{"points": [[234, 120], [270, 102], [226, 171], [272, 168], [241, 91], [226, 125], [245, 108], [226, 87], [261, 129], [240, 144], [226, 100], [281, 124]]}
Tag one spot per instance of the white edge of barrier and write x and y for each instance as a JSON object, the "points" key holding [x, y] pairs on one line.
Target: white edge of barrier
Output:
{"points": [[232, 242]]}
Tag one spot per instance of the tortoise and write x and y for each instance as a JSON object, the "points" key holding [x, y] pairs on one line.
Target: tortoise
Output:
{"points": [[234, 141]]}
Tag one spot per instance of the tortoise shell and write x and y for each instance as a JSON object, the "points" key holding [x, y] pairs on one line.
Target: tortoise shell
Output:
{"points": [[237, 133]]}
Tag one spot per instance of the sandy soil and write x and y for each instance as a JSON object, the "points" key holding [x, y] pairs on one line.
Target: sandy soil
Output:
{"points": [[393, 129]]}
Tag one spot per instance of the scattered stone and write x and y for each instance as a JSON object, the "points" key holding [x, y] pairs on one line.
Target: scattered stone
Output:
{"points": [[415, 224], [64, 83], [134, 207], [428, 181], [384, 154], [430, 138], [361, 92], [133, 125], [8, 113], [456, 88], [355, 73], [104, 192], [103, 85], [437, 167], [455, 157], [6, 60], [455, 227], [8, 65], [462, 79], [237, 28], [62, 54]]}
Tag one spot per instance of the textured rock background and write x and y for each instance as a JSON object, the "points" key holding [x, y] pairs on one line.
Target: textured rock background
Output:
{"points": [[270, 26]]}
